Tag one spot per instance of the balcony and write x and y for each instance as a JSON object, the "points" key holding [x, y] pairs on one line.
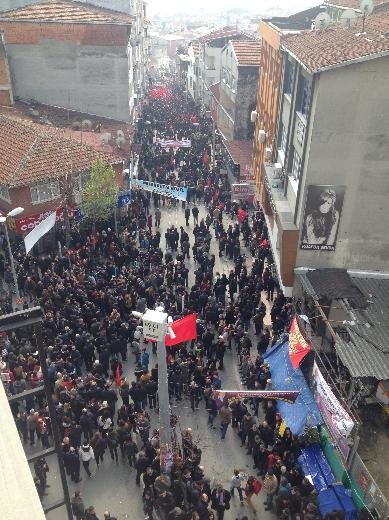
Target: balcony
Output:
{"points": [[283, 233]]}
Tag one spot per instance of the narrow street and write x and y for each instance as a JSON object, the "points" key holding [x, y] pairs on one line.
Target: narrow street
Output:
{"points": [[113, 487]]}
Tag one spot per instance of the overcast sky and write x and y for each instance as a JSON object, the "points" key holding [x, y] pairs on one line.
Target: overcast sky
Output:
{"points": [[254, 5]]}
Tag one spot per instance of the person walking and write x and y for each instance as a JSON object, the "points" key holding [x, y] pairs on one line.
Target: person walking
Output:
{"points": [[270, 485], [78, 507], [86, 455], [157, 217], [220, 501], [225, 420], [236, 483], [74, 465], [253, 487], [195, 213], [187, 215]]}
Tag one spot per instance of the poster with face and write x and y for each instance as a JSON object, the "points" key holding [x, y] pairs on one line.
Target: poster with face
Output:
{"points": [[323, 208]]}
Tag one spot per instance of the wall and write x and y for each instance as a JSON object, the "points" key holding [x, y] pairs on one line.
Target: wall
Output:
{"points": [[246, 93], [6, 94], [349, 145], [81, 67]]}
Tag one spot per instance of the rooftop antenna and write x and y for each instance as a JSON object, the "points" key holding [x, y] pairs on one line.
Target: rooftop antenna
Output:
{"points": [[348, 18], [322, 21], [366, 7]]}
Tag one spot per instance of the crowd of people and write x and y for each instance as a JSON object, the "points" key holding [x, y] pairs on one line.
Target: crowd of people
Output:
{"points": [[88, 296]]}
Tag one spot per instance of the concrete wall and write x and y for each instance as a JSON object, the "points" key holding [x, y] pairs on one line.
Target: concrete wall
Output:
{"points": [[349, 145], [247, 86], [86, 78]]}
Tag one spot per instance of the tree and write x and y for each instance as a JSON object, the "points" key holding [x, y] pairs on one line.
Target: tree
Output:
{"points": [[99, 197]]}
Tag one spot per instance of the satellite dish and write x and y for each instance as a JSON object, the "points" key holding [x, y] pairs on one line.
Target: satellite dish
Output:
{"points": [[120, 141], [86, 124], [105, 138], [120, 133], [322, 21], [366, 7], [348, 18]]}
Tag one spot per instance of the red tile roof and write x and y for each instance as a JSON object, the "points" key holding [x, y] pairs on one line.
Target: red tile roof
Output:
{"points": [[338, 46], [247, 52], [241, 152], [352, 4], [225, 32], [66, 12], [31, 153]]}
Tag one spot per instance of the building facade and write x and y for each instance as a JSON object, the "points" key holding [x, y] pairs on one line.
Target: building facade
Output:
{"points": [[238, 86], [70, 56], [327, 181]]}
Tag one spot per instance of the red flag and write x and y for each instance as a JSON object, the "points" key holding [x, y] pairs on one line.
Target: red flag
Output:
{"points": [[205, 158], [184, 329], [298, 346], [117, 377]]}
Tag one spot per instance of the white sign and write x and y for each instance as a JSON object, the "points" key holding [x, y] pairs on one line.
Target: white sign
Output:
{"points": [[154, 325], [242, 191], [39, 231]]}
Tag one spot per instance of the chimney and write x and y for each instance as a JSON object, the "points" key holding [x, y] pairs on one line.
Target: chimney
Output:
{"points": [[6, 95]]}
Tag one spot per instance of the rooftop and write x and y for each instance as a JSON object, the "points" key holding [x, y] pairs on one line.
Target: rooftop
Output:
{"points": [[337, 46], [241, 152], [66, 12], [247, 52], [352, 4], [225, 32], [362, 339], [31, 153]]}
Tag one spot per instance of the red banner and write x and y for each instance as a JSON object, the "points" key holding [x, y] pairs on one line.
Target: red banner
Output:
{"points": [[26, 224], [298, 346]]}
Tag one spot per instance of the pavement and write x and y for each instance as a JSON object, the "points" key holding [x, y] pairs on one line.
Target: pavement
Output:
{"points": [[112, 486]]}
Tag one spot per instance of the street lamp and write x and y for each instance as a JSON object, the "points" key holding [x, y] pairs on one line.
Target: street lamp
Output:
{"points": [[3, 220], [155, 327]]}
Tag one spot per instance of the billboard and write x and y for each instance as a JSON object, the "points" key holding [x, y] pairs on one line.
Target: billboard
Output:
{"points": [[323, 208], [335, 416], [243, 191]]}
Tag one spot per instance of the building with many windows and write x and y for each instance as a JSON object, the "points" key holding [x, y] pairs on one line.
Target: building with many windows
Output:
{"points": [[324, 186], [238, 86]]}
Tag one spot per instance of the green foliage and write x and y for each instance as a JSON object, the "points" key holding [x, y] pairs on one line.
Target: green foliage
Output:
{"points": [[310, 436], [99, 196]]}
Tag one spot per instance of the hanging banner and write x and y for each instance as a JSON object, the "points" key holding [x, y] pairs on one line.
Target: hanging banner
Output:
{"points": [[123, 199], [167, 190], [26, 224], [221, 396], [39, 231], [298, 346], [335, 416], [173, 143]]}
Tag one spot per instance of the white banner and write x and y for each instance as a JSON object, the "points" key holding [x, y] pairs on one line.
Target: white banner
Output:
{"points": [[39, 231]]}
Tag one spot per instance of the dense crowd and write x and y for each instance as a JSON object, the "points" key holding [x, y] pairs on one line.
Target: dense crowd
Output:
{"points": [[88, 296]]}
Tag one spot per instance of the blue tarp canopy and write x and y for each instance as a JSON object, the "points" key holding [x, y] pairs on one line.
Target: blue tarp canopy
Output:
{"points": [[314, 463], [336, 498], [284, 377]]}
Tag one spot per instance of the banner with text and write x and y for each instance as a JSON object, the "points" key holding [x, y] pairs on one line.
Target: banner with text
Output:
{"points": [[39, 231], [335, 416], [173, 143], [167, 190]]}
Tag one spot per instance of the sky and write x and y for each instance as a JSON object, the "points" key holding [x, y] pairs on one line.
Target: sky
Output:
{"points": [[170, 6]]}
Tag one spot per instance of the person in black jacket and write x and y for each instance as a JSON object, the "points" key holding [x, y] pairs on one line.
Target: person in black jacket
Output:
{"points": [[220, 501]]}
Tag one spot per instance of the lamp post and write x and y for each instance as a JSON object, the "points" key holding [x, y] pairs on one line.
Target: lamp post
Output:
{"points": [[155, 326], [3, 220]]}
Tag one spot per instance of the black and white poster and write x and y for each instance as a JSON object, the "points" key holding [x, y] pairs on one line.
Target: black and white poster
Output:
{"points": [[323, 208]]}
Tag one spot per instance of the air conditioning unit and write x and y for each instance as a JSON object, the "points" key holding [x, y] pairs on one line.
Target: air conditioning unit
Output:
{"points": [[277, 170], [254, 115], [268, 154], [262, 136]]}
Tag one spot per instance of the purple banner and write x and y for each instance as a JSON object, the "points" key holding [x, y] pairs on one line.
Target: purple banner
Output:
{"points": [[221, 396]]}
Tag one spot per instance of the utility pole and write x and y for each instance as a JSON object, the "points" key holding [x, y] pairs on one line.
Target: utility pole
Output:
{"points": [[68, 199], [155, 327]]}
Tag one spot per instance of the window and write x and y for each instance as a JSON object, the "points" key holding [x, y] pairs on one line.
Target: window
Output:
{"points": [[289, 78], [4, 193], [305, 96], [233, 83], [296, 166], [44, 192], [283, 139]]}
